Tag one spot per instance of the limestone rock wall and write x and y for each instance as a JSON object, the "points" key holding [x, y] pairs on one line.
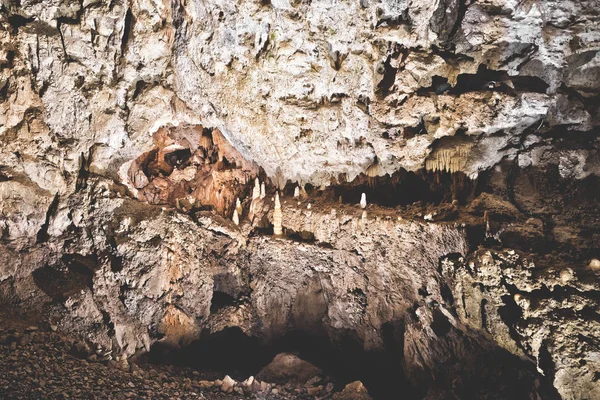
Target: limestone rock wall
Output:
{"points": [[317, 93]]}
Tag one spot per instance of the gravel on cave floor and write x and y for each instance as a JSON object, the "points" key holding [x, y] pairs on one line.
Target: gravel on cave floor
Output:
{"points": [[37, 363]]}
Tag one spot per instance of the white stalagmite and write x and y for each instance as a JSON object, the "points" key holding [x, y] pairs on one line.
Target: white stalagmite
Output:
{"points": [[238, 207], [363, 201], [256, 190], [262, 190], [255, 196], [277, 217], [235, 218], [297, 192]]}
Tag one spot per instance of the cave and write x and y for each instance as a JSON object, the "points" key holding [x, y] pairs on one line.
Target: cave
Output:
{"points": [[232, 352], [349, 200]]}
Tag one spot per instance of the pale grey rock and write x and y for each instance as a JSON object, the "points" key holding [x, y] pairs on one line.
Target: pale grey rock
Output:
{"points": [[312, 92]]}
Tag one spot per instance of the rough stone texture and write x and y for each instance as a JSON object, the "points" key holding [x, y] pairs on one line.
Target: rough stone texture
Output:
{"points": [[123, 123], [287, 367], [534, 308]]}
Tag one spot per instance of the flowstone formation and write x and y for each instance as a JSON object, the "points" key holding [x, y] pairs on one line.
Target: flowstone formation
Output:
{"points": [[411, 184]]}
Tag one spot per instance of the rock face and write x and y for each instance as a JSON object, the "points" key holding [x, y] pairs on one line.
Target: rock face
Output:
{"points": [[288, 368], [129, 129]]}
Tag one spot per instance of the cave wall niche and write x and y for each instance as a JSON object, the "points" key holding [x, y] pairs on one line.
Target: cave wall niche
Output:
{"points": [[190, 168]]}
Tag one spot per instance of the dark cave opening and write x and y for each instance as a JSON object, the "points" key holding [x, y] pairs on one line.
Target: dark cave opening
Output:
{"points": [[485, 80], [232, 352], [407, 187], [477, 368], [220, 300]]}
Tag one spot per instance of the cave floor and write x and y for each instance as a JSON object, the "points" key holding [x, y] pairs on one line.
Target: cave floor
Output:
{"points": [[38, 363]]}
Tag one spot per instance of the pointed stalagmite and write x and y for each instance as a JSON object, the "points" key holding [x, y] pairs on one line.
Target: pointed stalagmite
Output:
{"points": [[297, 192], [235, 218], [277, 217], [256, 190], [238, 207], [255, 196], [363, 201]]}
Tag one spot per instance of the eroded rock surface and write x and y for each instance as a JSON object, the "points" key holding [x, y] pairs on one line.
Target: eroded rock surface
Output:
{"points": [[144, 146]]}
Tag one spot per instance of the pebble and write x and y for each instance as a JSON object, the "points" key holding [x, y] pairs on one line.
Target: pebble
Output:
{"points": [[314, 391], [227, 385], [205, 384]]}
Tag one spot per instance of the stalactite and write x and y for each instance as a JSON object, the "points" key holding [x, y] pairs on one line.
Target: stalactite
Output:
{"points": [[263, 192], [277, 217], [206, 142], [374, 170], [448, 159]]}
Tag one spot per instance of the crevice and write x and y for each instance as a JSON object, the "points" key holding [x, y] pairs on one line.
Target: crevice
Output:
{"points": [[18, 21], [127, 30], [115, 260], [440, 324], [545, 362], [83, 174], [42, 235], [461, 12], [485, 80]]}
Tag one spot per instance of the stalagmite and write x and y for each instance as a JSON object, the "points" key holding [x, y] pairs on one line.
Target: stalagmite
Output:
{"points": [[363, 220], [262, 190], [517, 297], [235, 218], [566, 275], [363, 201], [277, 217], [238, 206], [297, 192], [486, 218], [256, 190], [308, 207], [308, 222], [255, 196]]}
